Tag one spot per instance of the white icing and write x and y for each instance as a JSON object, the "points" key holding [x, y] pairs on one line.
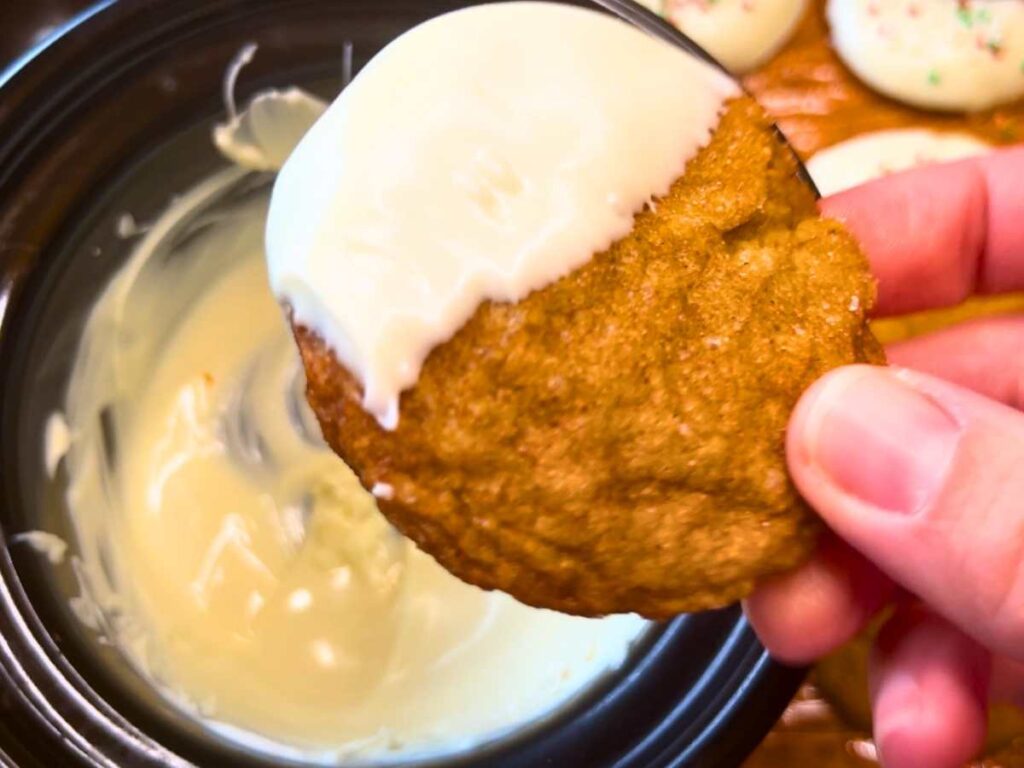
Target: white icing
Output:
{"points": [[741, 34], [957, 55], [861, 159], [462, 165]]}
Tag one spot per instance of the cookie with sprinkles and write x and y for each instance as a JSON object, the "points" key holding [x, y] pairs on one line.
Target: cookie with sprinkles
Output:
{"points": [[948, 55], [741, 34]]}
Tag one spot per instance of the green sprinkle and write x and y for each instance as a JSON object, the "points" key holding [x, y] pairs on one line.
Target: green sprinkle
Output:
{"points": [[983, 16], [934, 78], [966, 17]]}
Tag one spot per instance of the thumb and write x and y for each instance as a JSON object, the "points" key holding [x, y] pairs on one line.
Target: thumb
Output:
{"points": [[927, 480]]}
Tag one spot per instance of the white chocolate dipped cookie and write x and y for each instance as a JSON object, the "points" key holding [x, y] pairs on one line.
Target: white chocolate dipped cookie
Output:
{"points": [[739, 33], [873, 155], [949, 55]]}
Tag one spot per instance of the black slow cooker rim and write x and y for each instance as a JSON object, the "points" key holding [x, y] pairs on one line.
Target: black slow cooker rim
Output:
{"points": [[746, 690]]}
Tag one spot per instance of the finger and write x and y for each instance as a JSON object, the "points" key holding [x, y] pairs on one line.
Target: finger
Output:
{"points": [[938, 234], [807, 613], [924, 479], [982, 355], [928, 692]]}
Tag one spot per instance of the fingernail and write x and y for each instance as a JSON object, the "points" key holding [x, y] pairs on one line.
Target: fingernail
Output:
{"points": [[878, 439]]}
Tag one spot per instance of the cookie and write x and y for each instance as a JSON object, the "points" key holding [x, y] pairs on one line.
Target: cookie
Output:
{"points": [[614, 441]]}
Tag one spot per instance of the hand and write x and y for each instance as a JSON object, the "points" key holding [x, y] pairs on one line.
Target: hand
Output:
{"points": [[918, 470]]}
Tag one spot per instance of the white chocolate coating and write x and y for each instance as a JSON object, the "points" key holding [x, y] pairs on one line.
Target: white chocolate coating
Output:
{"points": [[462, 165], [741, 34], [873, 155], [952, 55]]}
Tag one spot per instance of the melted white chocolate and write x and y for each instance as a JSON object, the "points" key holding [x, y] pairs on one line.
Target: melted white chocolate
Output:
{"points": [[482, 155], [237, 561], [265, 133]]}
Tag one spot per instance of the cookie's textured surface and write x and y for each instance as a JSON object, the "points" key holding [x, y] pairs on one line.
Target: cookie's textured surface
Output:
{"points": [[614, 442]]}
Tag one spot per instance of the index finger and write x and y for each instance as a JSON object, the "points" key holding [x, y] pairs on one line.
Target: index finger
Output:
{"points": [[936, 235]]}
